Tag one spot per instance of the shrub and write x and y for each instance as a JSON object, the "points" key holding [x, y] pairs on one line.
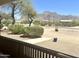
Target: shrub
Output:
{"points": [[34, 31], [6, 22], [75, 23], [17, 29], [24, 22], [1, 25], [50, 23], [36, 22], [43, 23], [56, 30]]}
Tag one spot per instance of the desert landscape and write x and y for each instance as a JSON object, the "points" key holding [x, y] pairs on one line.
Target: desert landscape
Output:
{"points": [[35, 28], [68, 39]]}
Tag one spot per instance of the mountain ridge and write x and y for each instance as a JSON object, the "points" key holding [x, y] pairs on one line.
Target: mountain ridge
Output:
{"points": [[47, 15]]}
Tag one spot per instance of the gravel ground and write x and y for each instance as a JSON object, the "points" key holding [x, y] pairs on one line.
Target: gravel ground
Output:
{"points": [[68, 40]]}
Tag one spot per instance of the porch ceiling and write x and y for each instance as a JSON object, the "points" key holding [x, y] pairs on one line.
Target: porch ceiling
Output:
{"points": [[4, 1]]}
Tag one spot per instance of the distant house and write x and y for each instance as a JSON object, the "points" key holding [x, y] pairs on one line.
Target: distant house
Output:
{"points": [[66, 20]]}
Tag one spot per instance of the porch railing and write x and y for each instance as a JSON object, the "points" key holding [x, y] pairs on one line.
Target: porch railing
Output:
{"points": [[21, 49]]}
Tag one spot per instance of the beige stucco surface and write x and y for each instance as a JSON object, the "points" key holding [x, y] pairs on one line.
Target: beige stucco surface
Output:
{"points": [[4, 1]]}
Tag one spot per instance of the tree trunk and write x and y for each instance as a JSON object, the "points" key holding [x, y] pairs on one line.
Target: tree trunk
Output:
{"points": [[0, 19], [12, 15], [30, 21]]}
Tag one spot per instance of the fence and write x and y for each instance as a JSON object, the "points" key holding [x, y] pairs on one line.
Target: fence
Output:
{"points": [[19, 49]]}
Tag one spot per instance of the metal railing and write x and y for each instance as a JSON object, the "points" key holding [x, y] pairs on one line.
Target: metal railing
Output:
{"points": [[21, 49]]}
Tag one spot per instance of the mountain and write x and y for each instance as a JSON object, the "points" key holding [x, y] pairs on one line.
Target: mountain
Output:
{"points": [[47, 15]]}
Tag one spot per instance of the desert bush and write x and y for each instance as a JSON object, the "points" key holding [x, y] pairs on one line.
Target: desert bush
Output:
{"points": [[57, 23], [43, 23], [36, 22], [6, 22], [34, 31], [75, 23], [56, 29], [17, 29], [50, 23], [68, 24], [1, 25], [24, 22]]}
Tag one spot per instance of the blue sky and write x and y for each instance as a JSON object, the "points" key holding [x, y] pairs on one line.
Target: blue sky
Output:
{"points": [[63, 7], [66, 7]]}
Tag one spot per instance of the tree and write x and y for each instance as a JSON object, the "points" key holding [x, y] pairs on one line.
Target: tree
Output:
{"points": [[0, 22], [28, 10], [0, 19], [31, 16], [13, 10], [24, 7], [14, 6]]}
